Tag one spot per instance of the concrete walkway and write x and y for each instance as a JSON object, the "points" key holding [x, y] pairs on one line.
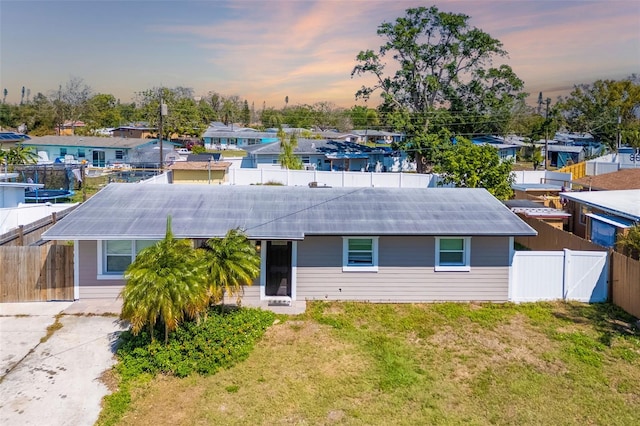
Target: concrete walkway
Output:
{"points": [[53, 377]]}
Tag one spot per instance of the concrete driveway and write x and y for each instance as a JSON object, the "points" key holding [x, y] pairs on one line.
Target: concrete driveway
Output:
{"points": [[56, 381]]}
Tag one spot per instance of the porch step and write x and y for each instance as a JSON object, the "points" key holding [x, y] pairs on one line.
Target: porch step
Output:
{"points": [[279, 301]]}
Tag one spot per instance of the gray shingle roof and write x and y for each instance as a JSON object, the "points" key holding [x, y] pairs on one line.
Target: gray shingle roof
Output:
{"points": [[87, 141], [314, 146], [138, 211]]}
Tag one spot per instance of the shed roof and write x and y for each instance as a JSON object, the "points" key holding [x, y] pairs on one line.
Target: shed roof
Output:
{"points": [[139, 211], [625, 203], [200, 165]]}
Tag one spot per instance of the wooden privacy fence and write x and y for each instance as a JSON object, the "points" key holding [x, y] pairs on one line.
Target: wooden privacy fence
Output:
{"points": [[625, 283], [550, 238], [25, 235], [36, 274]]}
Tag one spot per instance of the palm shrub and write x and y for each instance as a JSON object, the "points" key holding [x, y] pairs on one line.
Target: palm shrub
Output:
{"points": [[630, 242], [230, 263], [164, 284]]}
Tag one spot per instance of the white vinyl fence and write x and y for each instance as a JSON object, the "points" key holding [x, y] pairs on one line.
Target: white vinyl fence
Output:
{"points": [[559, 275], [334, 179]]}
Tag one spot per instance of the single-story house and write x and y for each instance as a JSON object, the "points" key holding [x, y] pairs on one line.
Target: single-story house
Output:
{"points": [[96, 151], [326, 155], [68, 128], [506, 151], [377, 136], [207, 172], [368, 244], [134, 131], [600, 216], [223, 137], [563, 155]]}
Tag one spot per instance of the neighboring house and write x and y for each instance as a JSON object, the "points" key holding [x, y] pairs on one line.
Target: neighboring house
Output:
{"points": [[220, 136], [68, 128], [622, 179], [369, 244], [506, 151], [11, 139], [600, 216], [207, 172], [135, 131], [377, 136], [96, 151], [564, 155], [326, 155]]}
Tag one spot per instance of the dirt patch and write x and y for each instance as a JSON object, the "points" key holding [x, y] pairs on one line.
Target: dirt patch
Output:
{"points": [[476, 348], [110, 380]]}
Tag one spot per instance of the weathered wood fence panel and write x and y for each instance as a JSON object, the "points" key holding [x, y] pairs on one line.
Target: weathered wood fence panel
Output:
{"points": [[625, 283], [550, 238], [36, 274], [31, 233]]}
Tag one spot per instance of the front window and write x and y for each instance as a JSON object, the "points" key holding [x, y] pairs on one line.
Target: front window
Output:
{"points": [[63, 152], [117, 255], [119, 154], [360, 254], [81, 153], [453, 254]]}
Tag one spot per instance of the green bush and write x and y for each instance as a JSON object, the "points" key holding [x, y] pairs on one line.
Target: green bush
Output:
{"points": [[219, 341]]}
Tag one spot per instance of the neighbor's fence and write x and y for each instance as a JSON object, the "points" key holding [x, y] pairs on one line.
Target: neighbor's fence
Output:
{"points": [[334, 179], [577, 170], [28, 234], [550, 238], [625, 283], [36, 274]]}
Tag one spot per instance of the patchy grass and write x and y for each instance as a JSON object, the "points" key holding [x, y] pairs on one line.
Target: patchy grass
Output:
{"points": [[57, 325], [358, 363]]}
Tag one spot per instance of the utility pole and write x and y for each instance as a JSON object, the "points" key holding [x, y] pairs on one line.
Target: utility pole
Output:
{"points": [[546, 134], [163, 112], [619, 137]]}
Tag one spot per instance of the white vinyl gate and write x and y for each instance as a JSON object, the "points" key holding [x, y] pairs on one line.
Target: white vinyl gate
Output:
{"points": [[553, 275]]}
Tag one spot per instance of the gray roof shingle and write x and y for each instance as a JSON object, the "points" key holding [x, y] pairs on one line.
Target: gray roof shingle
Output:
{"points": [[138, 211]]}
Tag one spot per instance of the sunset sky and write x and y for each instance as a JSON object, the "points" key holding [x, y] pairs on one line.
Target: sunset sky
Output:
{"points": [[264, 50]]}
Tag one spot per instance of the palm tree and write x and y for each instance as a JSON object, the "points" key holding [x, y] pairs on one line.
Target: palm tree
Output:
{"points": [[231, 262], [18, 155], [163, 283]]}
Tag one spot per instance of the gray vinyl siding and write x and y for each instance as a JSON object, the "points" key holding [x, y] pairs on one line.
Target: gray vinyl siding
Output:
{"points": [[405, 272], [90, 286]]}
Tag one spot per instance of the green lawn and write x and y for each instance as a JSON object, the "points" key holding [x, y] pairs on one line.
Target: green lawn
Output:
{"points": [[364, 364]]}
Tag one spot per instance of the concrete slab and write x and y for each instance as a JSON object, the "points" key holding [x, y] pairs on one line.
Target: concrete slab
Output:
{"points": [[33, 308], [58, 382], [95, 307]]}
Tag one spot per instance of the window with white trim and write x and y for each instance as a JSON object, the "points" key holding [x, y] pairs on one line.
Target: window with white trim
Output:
{"points": [[453, 254], [360, 254], [117, 255]]}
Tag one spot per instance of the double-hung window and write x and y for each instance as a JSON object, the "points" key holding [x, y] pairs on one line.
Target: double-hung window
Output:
{"points": [[453, 254], [115, 256], [360, 254]]}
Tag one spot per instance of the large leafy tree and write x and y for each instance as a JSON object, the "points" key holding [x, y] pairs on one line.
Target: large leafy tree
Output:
{"points": [[467, 165], [231, 263], [72, 101], [595, 108], [183, 118], [441, 63], [164, 284]]}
